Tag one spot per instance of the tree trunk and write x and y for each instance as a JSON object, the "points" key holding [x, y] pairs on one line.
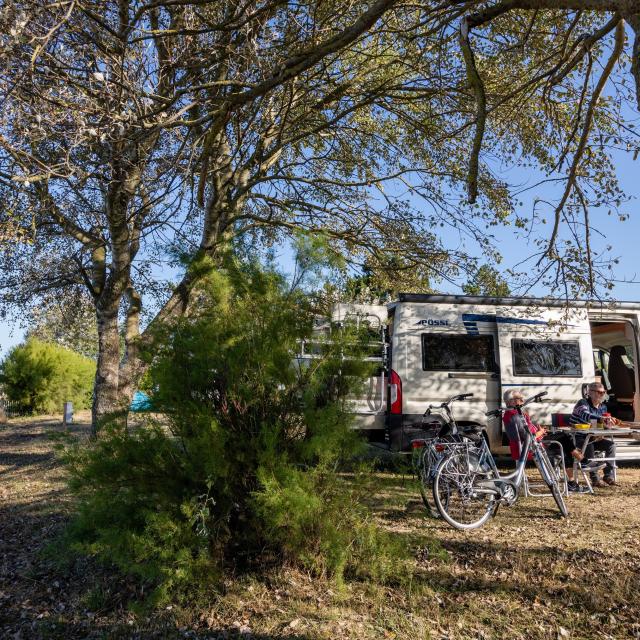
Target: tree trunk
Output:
{"points": [[131, 367], [106, 400]]}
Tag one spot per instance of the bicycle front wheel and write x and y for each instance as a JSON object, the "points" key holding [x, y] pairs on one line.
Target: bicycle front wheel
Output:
{"points": [[461, 500], [551, 480]]}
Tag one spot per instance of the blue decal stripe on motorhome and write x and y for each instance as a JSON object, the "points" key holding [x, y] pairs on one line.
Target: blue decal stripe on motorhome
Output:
{"points": [[472, 328], [477, 317], [470, 325], [501, 320], [540, 384]]}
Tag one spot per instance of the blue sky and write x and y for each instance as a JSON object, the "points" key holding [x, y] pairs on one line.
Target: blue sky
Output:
{"points": [[623, 236]]}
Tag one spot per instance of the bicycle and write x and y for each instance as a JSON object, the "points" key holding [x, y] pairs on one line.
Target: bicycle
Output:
{"points": [[468, 488], [428, 452]]}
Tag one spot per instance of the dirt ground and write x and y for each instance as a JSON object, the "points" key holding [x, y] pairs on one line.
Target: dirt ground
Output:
{"points": [[526, 574]]}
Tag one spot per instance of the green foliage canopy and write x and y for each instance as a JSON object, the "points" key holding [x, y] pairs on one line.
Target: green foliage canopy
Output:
{"points": [[69, 321], [40, 376], [487, 281], [135, 130]]}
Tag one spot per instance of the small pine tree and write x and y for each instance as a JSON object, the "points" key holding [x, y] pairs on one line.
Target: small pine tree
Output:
{"points": [[247, 467], [487, 281]]}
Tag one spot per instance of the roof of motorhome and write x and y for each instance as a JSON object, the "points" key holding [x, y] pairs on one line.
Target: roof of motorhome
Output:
{"points": [[434, 298]]}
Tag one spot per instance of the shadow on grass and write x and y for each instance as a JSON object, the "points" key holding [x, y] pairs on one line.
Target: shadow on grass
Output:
{"points": [[59, 629], [589, 579], [15, 461]]}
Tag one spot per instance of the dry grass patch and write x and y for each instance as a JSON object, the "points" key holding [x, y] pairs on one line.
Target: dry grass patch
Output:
{"points": [[527, 574]]}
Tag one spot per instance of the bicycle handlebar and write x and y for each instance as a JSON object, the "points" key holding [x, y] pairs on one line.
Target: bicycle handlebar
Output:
{"points": [[536, 398], [445, 405]]}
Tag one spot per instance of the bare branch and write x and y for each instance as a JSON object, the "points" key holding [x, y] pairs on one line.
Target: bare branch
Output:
{"points": [[634, 21], [586, 129]]}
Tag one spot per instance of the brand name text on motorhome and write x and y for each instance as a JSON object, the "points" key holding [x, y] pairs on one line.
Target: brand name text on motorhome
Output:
{"points": [[432, 322]]}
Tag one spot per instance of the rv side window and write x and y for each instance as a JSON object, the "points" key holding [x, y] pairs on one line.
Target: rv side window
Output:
{"points": [[445, 352], [363, 342], [537, 358]]}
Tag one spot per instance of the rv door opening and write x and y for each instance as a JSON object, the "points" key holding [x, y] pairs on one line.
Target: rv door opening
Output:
{"points": [[395, 393]]}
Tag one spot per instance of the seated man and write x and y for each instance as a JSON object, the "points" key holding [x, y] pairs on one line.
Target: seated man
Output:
{"points": [[514, 429], [593, 408]]}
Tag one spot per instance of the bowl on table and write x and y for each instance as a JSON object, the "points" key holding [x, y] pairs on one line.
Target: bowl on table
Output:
{"points": [[582, 426]]}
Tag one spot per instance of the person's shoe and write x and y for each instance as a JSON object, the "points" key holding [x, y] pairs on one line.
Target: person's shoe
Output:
{"points": [[596, 482], [574, 487], [610, 481]]}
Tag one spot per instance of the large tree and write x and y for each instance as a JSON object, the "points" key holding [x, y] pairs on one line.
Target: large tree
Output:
{"points": [[137, 133]]}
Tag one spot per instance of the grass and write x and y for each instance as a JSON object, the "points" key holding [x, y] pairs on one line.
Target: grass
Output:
{"points": [[527, 574]]}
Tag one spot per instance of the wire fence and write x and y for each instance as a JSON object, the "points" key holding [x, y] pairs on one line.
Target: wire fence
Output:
{"points": [[12, 409]]}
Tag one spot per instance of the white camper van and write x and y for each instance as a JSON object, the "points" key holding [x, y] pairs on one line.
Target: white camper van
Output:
{"points": [[435, 346]]}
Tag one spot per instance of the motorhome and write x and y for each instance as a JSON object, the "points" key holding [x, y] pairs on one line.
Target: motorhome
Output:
{"points": [[431, 347]]}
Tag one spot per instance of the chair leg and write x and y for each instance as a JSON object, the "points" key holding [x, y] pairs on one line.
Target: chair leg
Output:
{"points": [[579, 471]]}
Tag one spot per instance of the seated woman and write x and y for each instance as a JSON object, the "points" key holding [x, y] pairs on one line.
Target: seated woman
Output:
{"points": [[514, 428]]}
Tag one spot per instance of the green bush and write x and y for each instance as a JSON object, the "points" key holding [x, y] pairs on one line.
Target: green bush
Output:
{"points": [[247, 470], [40, 376]]}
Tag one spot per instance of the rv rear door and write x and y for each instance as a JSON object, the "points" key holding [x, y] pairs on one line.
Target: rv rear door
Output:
{"points": [[545, 349]]}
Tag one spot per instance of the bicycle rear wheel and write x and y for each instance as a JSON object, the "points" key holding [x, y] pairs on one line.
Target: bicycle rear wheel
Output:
{"points": [[425, 465], [425, 480], [550, 478], [457, 492]]}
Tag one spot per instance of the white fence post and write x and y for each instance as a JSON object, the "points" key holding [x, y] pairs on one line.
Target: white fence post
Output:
{"points": [[67, 414]]}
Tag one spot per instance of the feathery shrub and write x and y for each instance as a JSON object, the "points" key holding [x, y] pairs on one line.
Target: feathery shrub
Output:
{"points": [[248, 469]]}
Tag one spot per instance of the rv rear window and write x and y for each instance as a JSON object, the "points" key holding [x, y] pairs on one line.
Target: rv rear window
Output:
{"points": [[445, 352], [538, 358]]}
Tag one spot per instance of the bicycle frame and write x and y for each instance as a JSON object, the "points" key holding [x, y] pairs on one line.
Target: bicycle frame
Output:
{"points": [[513, 480], [505, 487]]}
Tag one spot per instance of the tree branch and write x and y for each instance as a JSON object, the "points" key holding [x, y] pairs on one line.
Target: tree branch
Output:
{"points": [[475, 81], [634, 21]]}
